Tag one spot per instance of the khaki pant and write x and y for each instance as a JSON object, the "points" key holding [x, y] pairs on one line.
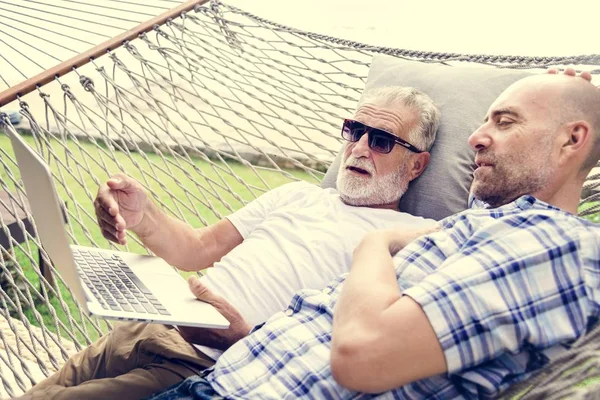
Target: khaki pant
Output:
{"points": [[131, 362]]}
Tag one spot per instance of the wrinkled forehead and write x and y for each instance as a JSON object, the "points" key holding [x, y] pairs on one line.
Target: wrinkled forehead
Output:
{"points": [[398, 118]]}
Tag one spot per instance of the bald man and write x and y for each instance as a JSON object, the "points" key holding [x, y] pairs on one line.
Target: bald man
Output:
{"points": [[462, 312]]}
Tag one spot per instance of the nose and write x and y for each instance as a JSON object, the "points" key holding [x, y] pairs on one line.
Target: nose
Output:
{"points": [[480, 139], [361, 148]]}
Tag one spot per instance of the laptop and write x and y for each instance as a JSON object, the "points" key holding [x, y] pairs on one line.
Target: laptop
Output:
{"points": [[108, 284]]}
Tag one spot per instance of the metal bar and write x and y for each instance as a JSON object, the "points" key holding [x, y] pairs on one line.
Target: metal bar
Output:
{"points": [[63, 68]]}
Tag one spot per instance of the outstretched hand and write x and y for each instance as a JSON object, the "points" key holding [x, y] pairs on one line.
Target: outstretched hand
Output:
{"points": [[217, 338]]}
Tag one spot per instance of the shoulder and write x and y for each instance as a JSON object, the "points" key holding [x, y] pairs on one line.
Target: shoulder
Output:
{"points": [[294, 188], [299, 186], [294, 192]]}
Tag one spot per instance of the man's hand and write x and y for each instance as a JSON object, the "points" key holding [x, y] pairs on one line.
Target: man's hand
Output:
{"points": [[397, 239], [120, 204], [571, 72], [218, 338]]}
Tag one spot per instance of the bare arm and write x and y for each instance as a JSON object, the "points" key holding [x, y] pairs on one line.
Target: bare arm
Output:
{"points": [[122, 203], [182, 246], [381, 339]]}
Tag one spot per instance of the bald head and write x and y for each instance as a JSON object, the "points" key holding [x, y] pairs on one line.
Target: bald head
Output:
{"points": [[561, 99], [581, 101], [540, 137]]}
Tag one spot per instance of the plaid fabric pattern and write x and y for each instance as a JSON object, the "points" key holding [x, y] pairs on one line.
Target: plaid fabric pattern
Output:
{"points": [[505, 289]]}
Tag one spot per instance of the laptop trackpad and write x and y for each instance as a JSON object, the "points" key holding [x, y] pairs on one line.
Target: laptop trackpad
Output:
{"points": [[174, 293]]}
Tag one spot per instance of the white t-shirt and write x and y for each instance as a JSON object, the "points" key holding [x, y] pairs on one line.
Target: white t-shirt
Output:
{"points": [[295, 236]]}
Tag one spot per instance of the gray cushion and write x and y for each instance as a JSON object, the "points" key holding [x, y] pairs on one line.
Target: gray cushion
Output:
{"points": [[463, 94]]}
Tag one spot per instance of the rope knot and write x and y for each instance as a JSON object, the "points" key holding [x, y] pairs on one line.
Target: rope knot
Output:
{"points": [[67, 89], [214, 5], [4, 119], [87, 83], [160, 32], [131, 48]]}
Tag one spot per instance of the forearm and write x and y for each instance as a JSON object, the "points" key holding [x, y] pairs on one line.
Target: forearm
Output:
{"points": [[178, 243], [370, 288], [377, 333]]}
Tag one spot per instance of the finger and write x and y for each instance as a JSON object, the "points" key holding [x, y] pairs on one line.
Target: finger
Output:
{"points": [[434, 228], [552, 71], [109, 231], [570, 72], [108, 236], [116, 221], [106, 200], [119, 237], [586, 75], [430, 229], [201, 291], [120, 182], [104, 216]]}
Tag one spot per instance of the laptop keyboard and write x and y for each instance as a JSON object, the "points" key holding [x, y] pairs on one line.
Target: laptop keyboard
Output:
{"points": [[114, 285]]}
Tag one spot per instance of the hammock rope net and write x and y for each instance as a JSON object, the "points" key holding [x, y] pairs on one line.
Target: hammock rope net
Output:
{"points": [[208, 111]]}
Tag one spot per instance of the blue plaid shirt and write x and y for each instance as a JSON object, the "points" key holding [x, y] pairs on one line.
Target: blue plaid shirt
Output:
{"points": [[505, 290]]}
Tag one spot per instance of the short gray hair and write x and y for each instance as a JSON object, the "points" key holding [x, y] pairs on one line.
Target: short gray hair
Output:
{"points": [[424, 134]]}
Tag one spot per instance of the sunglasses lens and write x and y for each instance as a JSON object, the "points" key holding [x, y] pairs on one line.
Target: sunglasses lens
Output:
{"points": [[353, 131], [379, 140], [381, 143]]}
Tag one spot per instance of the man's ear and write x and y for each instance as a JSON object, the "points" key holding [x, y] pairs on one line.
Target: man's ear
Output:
{"points": [[576, 140], [419, 162]]}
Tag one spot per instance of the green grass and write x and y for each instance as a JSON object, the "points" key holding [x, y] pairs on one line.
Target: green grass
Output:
{"points": [[592, 217], [79, 189]]}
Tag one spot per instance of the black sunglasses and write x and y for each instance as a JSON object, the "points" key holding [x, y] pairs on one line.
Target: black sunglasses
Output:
{"points": [[379, 140]]}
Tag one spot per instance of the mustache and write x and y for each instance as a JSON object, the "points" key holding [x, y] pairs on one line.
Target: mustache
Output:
{"points": [[486, 156], [361, 163]]}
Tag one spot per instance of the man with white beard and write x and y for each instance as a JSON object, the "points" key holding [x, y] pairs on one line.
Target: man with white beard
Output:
{"points": [[293, 237], [365, 178]]}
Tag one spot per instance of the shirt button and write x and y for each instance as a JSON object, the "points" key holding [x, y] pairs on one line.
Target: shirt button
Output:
{"points": [[289, 312]]}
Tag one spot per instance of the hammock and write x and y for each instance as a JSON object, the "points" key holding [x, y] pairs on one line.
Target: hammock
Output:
{"points": [[208, 106]]}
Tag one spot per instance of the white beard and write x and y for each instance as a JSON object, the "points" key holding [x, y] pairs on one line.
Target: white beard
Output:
{"points": [[370, 190]]}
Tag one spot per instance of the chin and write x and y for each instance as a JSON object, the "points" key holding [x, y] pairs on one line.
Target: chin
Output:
{"points": [[354, 201], [367, 201]]}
